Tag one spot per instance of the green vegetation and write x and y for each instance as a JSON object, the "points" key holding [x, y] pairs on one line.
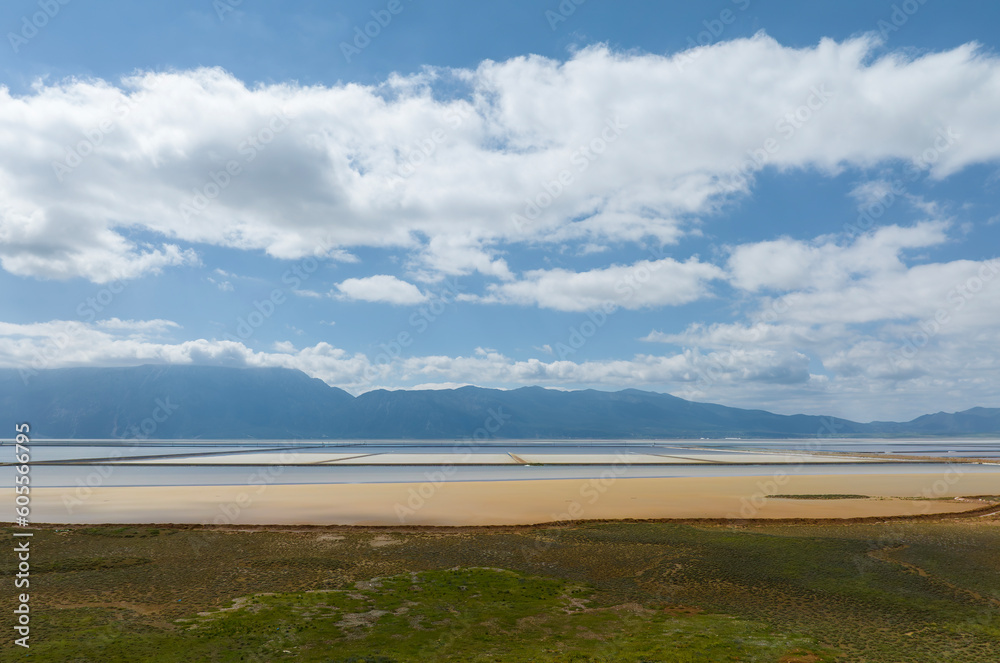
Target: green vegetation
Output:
{"points": [[85, 564], [455, 615], [123, 532], [629, 592]]}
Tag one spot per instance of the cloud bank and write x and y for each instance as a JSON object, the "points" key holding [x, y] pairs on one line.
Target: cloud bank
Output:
{"points": [[604, 147]]}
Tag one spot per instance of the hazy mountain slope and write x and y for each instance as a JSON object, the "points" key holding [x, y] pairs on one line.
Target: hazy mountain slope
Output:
{"points": [[215, 402], [190, 401]]}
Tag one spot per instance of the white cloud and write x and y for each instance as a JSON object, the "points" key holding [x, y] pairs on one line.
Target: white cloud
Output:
{"points": [[888, 337], [224, 286], [456, 255], [438, 386], [644, 284], [603, 149], [62, 343], [826, 283], [381, 288], [873, 192], [141, 326], [328, 171], [67, 343], [908, 295], [759, 334], [786, 264], [865, 386]]}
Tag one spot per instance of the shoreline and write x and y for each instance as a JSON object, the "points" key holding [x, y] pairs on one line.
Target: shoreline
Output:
{"points": [[516, 503], [978, 507]]}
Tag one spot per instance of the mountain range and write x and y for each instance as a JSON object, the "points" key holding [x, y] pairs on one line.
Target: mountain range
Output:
{"points": [[210, 402]]}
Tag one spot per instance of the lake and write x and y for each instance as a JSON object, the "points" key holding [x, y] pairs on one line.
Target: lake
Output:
{"points": [[67, 463]]}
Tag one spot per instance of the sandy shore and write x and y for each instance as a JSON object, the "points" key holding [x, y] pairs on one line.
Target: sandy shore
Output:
{"points": [[509, 502]]}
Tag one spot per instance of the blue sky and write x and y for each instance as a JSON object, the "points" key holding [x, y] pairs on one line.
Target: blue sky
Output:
{"points": [[773, 205]]}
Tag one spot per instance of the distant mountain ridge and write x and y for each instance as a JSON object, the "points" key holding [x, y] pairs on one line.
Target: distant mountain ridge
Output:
{"points": [[209, 402]]}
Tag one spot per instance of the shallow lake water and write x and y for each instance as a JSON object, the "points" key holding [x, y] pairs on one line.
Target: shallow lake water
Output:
{"points": [[61, 463]]}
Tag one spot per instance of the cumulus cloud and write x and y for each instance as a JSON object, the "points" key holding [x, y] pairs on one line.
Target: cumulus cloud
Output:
{"points": [[147, 326], [867, 280], [866, 384], [67, 343], [911, 294], [457, 170], [438, 386], [61, 343], [198, 157], [380, 288], [759, 334], [787, 264], [873, 327], [644, 284], [224, 286]]}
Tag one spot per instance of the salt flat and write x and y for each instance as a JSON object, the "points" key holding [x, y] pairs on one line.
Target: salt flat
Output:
{"points": [[496, 483], [513, 502]]}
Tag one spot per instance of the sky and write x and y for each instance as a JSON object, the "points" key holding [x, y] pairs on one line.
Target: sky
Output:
{"points": [[785, 206]]}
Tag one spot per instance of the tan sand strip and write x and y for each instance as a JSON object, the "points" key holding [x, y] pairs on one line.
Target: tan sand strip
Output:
{"points": [[464, 503]]}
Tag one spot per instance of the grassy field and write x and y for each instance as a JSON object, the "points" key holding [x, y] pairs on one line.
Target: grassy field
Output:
{"points": [[789, 593]]}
